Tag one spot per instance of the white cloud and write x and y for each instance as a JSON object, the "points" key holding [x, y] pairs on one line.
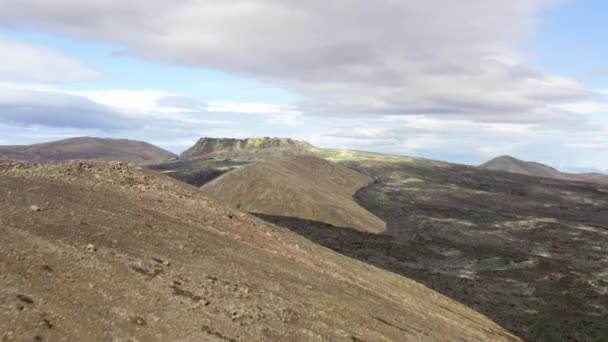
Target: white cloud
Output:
{"points": [[287, 118], [378, 57], [275, 114], [28, 62], [240, 107], [586, 107], [439, 78], [141, 101]]}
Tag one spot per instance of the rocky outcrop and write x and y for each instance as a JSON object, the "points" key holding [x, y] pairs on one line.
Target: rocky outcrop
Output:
{"points": [[212, 145]]}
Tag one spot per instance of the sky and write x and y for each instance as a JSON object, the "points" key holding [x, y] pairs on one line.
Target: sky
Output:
{"points": [[462, 81]]}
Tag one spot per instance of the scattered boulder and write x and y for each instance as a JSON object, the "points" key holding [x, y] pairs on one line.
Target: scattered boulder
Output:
{"points": [[25, 299], [137, 320], [146, 268]]}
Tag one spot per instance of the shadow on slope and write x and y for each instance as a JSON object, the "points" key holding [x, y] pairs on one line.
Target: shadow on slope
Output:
{"points": [[534, 247], [529, 295], [197, 172]]}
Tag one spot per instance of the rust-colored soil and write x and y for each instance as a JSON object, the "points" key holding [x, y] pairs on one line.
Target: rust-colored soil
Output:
{"points": [[106, 252]]}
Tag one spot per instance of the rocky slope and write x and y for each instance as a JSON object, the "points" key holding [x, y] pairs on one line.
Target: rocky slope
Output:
{"points": [[528, 252], [207, 146], [303, 187], [97, 251], [514, 165], [86, 148]]}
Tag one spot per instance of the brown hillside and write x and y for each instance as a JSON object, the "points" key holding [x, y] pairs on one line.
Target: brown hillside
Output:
{"points": [[514, 165], [95, 252], [302, 187], [86, 148], [598, 178]]}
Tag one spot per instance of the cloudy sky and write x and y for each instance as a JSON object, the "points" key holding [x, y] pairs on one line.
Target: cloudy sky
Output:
{"points": [[462, 81]]}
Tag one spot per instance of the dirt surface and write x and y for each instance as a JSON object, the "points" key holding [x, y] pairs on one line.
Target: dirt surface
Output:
{"points": [[108, 252], [86, 148], [305, 187]]}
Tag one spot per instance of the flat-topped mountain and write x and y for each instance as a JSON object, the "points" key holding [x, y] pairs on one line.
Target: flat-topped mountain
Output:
{"points": [[212, 145], [86, 148], [514, 165]]}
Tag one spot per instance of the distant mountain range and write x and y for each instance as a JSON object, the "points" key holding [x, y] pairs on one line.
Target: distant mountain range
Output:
{"points": [[86, 148], [569, 169], [139, 152], [514, 165]]}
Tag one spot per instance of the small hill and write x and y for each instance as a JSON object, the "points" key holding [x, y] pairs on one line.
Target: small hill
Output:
{"points": [[514, 165], [108, 252], [207, 146], [86, 148], [303, 187]]}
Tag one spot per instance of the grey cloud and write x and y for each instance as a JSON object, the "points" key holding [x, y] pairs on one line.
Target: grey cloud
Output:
{"points": [[374, 132], [349, 57], [25, 107]]}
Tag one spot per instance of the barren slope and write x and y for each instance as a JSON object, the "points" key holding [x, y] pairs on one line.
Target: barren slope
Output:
{"points": [[528, 252], [599, 178], [86, 148], [304, 187], [116, 253]]}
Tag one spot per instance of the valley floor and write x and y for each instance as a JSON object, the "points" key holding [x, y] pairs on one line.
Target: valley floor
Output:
{"points": [[530, 253]]}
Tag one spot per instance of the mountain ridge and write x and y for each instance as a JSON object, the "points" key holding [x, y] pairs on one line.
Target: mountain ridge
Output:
{"points": [[86, 148]]}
